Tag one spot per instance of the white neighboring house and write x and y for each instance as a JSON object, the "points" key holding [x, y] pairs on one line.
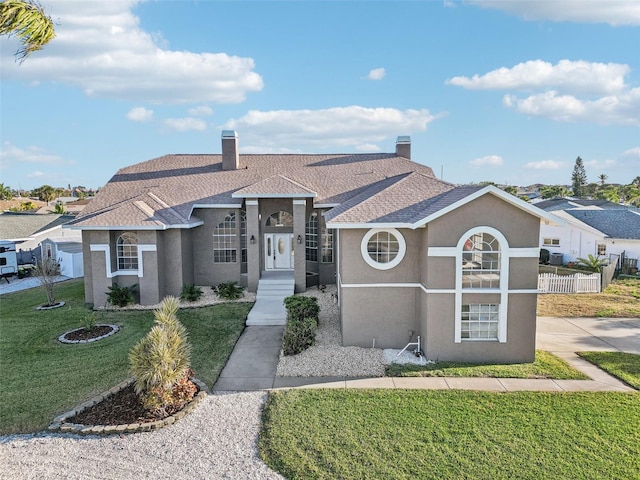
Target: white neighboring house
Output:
{"points": [[68, 252], [595, 227]]}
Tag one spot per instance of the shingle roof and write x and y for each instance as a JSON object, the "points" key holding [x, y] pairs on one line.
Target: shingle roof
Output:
{"points": [[162, 192], [14, 226], [615, 223], [273, 186], [554, 204]]}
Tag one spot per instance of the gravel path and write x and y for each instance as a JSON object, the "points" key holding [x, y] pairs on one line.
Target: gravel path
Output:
{"points": [[217, 440]]}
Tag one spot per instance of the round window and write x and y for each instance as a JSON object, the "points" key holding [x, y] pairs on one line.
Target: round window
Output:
{"points": [[383, 248]]}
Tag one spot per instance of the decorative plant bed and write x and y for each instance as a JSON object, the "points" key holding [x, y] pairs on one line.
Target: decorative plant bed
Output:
{"points": [[50, 307], [84, 335], [118, 410]]}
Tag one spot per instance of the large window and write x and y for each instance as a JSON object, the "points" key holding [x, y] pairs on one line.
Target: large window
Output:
{"points": [[127, 251], [383, 248], [327, 242], [311, 238], [480, 321], [224, 240], [280, 219], [481, 261], [243, 236]]}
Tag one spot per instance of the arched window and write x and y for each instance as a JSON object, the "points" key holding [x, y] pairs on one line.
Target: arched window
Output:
{"points": [[311, 234], [224, 240], [481, 261], [127, 251], [280, 219], [383, 249], [243, 236]]}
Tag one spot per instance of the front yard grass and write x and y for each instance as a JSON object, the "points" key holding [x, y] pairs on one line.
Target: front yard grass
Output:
{"points": [[402, 434], [625, 366], [41, 378], [621, 299], [546, 365]]}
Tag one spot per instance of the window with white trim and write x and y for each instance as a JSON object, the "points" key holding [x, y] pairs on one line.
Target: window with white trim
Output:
{"points": [[224, 240], [480, 321], [311, 238], [601, 249], [383, 249], [243, 236], [127, 251], [481, 261], [327, 242], [550, 242]]}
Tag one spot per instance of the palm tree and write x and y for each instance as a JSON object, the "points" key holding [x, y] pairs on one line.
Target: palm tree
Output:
{"points": [[5, 192], [603, 179], [27, 20], [592, 263]]}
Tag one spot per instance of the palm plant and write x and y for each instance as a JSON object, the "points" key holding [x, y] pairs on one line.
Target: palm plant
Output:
{"points": [[592, 263], [160, 362], [28, 21]]}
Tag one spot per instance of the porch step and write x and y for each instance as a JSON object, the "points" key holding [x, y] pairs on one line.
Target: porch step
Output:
{"points": [[273, 288]]}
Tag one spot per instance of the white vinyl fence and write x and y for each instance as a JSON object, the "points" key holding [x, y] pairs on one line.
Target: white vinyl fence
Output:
{"points": [[578, 283]]}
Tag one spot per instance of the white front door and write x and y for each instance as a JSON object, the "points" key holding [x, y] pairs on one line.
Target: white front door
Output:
{"points": [[278, 251]]}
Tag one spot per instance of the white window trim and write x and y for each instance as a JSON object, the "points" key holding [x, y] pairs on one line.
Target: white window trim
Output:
{"points": [[551, 244], [103, 247], [503, 291], [402, 249]]}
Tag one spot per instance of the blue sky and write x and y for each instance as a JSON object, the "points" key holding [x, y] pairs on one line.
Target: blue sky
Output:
{"points": [[507, 91]]}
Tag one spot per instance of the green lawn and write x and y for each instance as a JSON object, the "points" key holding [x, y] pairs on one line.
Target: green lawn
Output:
{"points": [[41, 378], [625, 366], [546, 365], [427, 434]]}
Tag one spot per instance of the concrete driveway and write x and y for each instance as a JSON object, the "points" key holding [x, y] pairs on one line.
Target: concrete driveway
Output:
{"points": [[562, 334]]}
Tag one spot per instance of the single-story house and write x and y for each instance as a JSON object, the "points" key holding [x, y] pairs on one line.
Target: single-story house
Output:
{"points": [[67, 251], [27, 230], [410, 254], [592, 227]]}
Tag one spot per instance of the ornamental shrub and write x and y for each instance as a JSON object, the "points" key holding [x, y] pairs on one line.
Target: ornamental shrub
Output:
{"points": [[299, 335], [299, 307], [190, 293], [121, 296], [229, 290], [160, 363]]}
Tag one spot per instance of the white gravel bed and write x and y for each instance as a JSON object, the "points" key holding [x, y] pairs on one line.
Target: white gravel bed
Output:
{"points": [[328, 358], [217, 440]]}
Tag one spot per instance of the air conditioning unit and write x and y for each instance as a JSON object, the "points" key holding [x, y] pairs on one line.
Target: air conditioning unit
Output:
{"points": [[555, 259]]}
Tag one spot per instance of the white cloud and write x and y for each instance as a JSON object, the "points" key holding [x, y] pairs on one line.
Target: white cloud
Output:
{"points": [[566, 76], [623, 109], [488, 161], [545, 165], [185, 124], [601, 164], [140, 114], [200, 111], [35, 174], [368, 147], [377, 74], [632, 151], [101, 48], [328, 128], [613, 12], [11, 154]]}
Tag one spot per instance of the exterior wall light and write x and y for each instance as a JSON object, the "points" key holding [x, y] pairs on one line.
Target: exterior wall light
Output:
{"points": [[299, 239], [252, 239]]}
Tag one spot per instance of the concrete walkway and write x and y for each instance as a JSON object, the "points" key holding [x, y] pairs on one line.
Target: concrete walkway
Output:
{"points": [[253, 363]]}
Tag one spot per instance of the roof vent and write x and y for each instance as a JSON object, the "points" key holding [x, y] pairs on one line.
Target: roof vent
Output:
{"points": [[403, 146], [230, 154]]}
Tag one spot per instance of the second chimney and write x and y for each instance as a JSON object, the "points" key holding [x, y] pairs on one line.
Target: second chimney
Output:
{"points": [[403, 146], [230, 155]]}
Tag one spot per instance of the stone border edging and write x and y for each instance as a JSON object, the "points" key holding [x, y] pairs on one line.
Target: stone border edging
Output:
{"points": [[51, 307], [114, 329], [59, 424]]}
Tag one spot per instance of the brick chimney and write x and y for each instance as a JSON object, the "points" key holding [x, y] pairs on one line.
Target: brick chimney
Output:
{"points": [[230, 155], [403, 146]]}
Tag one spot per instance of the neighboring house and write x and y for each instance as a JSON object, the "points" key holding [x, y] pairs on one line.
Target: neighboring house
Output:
{"points": [[68, 252], [27, 230], [410, 254], [593, 227]]}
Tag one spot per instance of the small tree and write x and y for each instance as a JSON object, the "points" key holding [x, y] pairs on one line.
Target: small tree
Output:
{"points": [[592, 263], [578, 178], [48, 270], [160, 363]]}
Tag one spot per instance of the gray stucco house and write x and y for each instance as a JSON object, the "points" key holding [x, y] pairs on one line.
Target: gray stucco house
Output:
{"points": [[410, 254]]}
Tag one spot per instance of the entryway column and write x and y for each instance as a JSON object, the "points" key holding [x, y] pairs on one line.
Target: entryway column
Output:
{"points": [[253, 245], [300, 261]]}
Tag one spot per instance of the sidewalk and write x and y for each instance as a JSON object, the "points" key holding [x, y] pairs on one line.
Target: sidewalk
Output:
{"points": [[253, 363]]}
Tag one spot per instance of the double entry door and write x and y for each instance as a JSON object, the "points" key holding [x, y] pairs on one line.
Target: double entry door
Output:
{"points": [[278, 251]]}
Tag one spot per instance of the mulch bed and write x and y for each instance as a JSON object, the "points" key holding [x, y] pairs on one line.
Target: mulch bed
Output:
{"points": [[121, 408], [88, 334]]}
